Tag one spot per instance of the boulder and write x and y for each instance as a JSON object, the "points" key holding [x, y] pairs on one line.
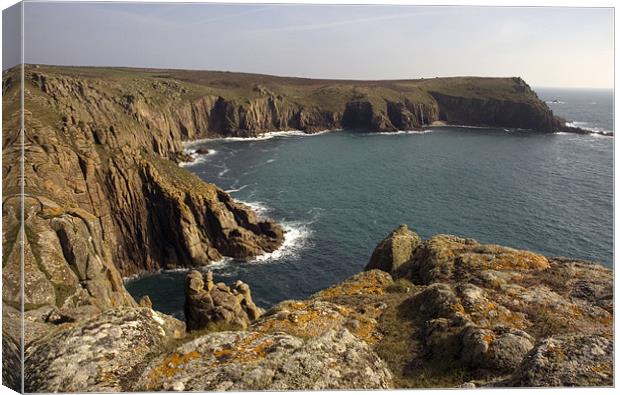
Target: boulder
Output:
{"points": [[567, 361], [207, 303], [238, 361], [396, 249], [100, 353]]}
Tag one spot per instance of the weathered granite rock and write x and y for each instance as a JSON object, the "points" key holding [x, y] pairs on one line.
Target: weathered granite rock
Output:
{"points": [[102, 199], [396, 249], [207, 303], [98, 354], [485, 305], [567, 361], [11, 363], [469, 315], [259, 361]]}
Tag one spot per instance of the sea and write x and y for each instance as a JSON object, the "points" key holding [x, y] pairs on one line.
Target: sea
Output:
{"points": [[339, 193]]}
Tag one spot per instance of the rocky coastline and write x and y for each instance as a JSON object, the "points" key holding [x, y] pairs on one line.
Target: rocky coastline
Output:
{"points": [[106, 198], [443, 312]]}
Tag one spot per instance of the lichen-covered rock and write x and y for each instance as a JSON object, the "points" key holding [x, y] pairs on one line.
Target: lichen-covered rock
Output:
{"points": [[396, 249], [567, 361], [100, 353], [501, 349], [209, 303], [448, 258], [102, 200], [313, 318], [485, 306], [267, 361], [11, 363]]}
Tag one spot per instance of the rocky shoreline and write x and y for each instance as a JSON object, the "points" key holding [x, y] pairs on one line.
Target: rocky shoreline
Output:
{"points": [[443, 312], [106, 198]]}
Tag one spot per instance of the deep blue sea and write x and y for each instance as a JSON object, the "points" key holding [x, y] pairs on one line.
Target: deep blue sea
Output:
{"points": [[339, 193]]}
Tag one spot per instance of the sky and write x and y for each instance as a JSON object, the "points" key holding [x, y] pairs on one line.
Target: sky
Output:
{"points": [[546, 46]]}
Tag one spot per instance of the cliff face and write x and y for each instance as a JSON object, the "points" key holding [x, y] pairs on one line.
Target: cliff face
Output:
{"points": [[166, 107], [102, 199], [452, 313]]}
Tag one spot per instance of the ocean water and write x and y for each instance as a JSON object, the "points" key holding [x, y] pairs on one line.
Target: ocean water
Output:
{"points": [[339, 193]]}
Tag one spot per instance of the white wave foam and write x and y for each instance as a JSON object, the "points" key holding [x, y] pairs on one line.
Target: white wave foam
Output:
{"points": [[296, 237], [460, 126], [264, 136], [555, 102], [196, 157], [159, 272], [237, 189], [397, 133], [260, 208], [585, 126], [221, 173]]}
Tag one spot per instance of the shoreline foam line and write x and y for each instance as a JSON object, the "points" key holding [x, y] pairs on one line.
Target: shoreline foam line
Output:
{"points": [[296, 236], [584, 126], [196, 157]]}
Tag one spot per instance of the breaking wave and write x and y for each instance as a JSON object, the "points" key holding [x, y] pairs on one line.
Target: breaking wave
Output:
{"points": [[196, 157], [585, 126]]}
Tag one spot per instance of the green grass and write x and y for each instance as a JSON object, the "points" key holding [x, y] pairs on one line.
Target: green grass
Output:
{"points": [[402, 347], [324, 93]]}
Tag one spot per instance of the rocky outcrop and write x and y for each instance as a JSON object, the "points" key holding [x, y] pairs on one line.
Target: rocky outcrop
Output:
{"points": [[494, 112], [209, 304], [98, 354], [396, 249], [567, 361], [102, 199], [236, 361], [458, 314], [495, 310], [356, 304]]}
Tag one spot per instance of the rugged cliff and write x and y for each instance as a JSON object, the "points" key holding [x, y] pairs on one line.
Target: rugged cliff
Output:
{"points": [[452, 313], [102, 198], [97, 145]]}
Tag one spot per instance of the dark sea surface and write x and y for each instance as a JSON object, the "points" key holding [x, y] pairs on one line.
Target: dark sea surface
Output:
{"points": [[339, 193]]}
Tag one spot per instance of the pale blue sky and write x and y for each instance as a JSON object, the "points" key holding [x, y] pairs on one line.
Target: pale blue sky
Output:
{"points": [[564, 47]]}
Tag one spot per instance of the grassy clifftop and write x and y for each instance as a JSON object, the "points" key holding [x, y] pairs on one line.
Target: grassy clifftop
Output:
{"points": [[243, 104]]}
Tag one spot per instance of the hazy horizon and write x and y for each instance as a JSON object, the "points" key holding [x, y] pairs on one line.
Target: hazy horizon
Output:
{"points": [[547, 47]]}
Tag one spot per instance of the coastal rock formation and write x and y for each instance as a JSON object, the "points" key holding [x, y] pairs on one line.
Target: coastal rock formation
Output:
{"points": [[354, 305], [459, 110], [456, 314], [207, 303], [237, 361], [102, 200], [100, 146], [567, 361], [98, 354], [486, 306], [396, 249]]}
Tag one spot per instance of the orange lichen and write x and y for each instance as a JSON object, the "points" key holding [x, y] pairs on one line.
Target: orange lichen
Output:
{"points": [[557, 352], [602, 368], [171, 365], [458, 308], [368, 283], [309, 320]]}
